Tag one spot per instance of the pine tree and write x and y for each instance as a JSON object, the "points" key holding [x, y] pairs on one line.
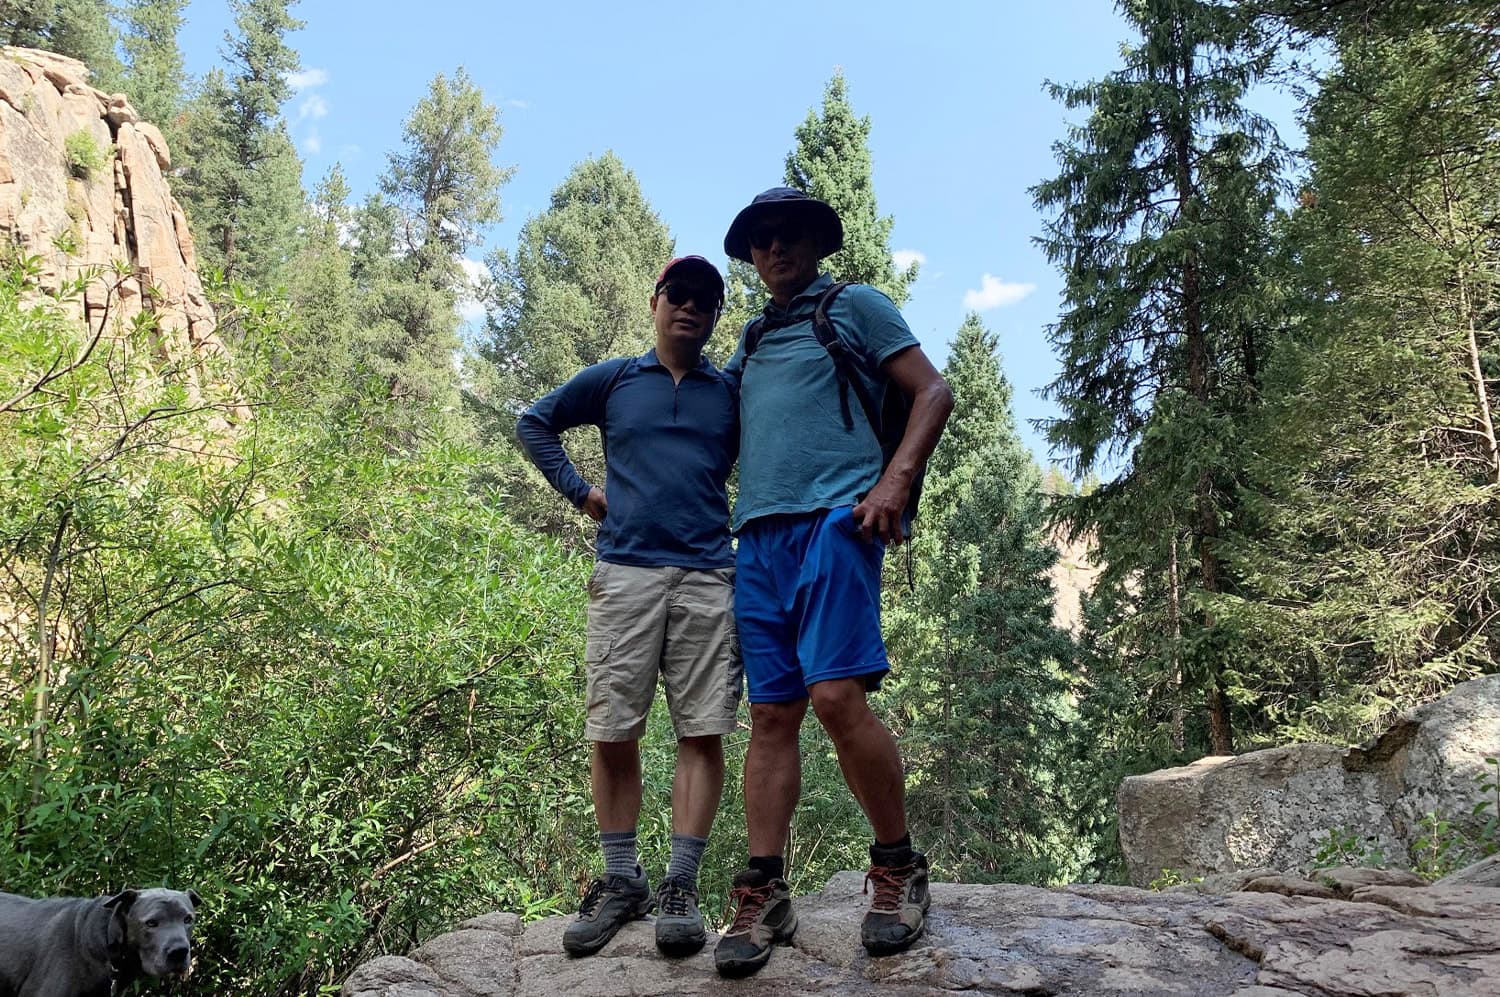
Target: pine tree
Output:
{"points": [[1162, 210], [241, 179], [437, 195], [79, 29], [154, 77], [316, 352], [831, 161], [1377, 475], [980, 690]]}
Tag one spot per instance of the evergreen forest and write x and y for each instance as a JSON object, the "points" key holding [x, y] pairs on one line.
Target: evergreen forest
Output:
{"points": [[331, 677]]}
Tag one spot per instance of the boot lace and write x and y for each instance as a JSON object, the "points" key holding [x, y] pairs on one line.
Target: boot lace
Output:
{"points": [[890, 883], [592, 898], [750, 899], [672, 899]]}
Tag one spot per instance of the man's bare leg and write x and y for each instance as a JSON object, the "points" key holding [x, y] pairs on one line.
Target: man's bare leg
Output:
{"points": [[697, 784], [615, 778], [867, 754], [773, 774]]}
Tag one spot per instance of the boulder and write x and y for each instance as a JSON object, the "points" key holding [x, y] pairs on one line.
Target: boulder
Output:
{"points": [[1485, 872], [1275, 808], [1001, 939]]}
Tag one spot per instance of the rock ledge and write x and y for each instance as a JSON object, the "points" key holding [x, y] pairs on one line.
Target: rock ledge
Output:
{"points": [[1352, 933]]}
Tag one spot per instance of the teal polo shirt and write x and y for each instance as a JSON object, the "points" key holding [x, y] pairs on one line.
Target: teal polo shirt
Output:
{"points": [[796, 454]]}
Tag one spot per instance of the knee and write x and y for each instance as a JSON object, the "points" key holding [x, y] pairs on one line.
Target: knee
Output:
{"points": [[709, 747], [840, 705], [777, 722], [617, 753]]}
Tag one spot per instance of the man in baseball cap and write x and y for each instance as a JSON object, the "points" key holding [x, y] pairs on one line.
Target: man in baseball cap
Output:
{"points": [[818, 502], [661, 597]]}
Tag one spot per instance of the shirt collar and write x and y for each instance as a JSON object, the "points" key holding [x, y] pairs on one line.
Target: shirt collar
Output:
{"points": [[649, 359]]}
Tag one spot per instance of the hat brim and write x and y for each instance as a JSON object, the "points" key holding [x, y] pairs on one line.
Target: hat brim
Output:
{"points": [[694, 266], [820, 218]]}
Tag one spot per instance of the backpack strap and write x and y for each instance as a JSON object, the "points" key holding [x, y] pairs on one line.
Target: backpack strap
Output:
{"points": [[752, 334], [843, 362]]}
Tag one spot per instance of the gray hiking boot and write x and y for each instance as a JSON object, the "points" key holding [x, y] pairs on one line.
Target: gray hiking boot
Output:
{"points": [[763, 918], [610, 902], [898, 914], [679, 924]]}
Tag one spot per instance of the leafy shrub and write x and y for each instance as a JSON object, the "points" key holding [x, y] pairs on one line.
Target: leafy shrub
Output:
{"points": [[84, 155], [1341, 846], [333, 689]]}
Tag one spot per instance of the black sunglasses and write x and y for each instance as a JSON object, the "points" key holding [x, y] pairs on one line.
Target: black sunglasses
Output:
{"points": [[788, 230], [680, 294]]}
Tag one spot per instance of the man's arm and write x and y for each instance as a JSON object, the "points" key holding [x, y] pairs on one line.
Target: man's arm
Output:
{"points": [[879, 515], [579, 402]]}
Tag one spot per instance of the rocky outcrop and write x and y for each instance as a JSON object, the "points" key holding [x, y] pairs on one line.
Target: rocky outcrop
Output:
{"points": [[82, 189], [1274, 808], [1351, 936], [1073, 576]]}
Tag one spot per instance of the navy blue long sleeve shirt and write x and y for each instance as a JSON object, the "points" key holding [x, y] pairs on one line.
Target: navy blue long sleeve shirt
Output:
{"points": [[668, 450]]}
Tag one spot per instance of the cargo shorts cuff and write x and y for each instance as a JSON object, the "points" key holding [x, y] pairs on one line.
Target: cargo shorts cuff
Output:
{"points": [[597, 732], [704, 728]]}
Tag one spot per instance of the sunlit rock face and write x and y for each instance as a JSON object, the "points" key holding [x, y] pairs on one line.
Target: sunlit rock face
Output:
{"points": [[83, 192]]}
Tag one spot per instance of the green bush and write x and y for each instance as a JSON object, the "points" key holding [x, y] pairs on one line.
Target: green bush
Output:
{"points": [[84, 155], [330, 687]]}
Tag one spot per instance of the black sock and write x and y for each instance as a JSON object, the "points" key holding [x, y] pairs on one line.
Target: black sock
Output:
{"points": [[774, 866], [900, 851]]}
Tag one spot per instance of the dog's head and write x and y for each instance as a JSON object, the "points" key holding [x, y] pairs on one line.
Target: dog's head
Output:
{"points": [[155, 928]]}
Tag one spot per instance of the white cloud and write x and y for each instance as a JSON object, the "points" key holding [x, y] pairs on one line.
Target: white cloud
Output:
{"points": [[995, 293], [904, 258], [304, 78], [518, 104], [313, 107], [312, 143]]}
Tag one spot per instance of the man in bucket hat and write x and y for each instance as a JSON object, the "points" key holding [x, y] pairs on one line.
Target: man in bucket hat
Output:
{"points": [[661, 597], [816, 508]]}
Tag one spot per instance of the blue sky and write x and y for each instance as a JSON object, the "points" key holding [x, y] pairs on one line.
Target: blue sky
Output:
{"points": [[701, 103]]}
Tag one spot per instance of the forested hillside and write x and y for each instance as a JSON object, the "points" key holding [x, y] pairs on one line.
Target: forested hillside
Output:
{"points": [[320, 657]]}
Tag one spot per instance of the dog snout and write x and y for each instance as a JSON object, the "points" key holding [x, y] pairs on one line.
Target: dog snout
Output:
{"points": [[178, 956]]}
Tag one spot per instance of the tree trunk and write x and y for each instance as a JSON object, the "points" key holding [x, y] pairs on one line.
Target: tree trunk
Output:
{"points": [[1174, 615], [1205, 528]]}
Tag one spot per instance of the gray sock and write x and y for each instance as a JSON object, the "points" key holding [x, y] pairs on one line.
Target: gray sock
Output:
{"points": [[620, 858], [687, 855]]}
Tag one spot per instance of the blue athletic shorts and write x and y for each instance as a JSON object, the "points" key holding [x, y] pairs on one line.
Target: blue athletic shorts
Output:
{"points": [[807, 604]]}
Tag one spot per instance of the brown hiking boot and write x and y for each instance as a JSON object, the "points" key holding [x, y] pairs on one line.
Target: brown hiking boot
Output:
{"points": [[763, 918], [898, 914]]}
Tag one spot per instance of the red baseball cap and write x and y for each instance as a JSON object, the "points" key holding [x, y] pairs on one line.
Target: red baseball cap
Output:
{"points": [[696, 266]]}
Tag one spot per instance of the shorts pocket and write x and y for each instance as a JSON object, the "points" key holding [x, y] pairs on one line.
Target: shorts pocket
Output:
{"points": [[597, 680]]}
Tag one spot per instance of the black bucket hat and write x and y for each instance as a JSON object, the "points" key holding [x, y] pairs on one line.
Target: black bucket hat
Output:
{"points": [[819, 217]]}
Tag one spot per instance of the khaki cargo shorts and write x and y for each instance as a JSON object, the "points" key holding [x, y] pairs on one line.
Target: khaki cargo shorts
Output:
{"points": [[674, 622]]}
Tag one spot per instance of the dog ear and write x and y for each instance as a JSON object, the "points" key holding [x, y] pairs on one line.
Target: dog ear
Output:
{"points": [[122, 901], [197, 900]]}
